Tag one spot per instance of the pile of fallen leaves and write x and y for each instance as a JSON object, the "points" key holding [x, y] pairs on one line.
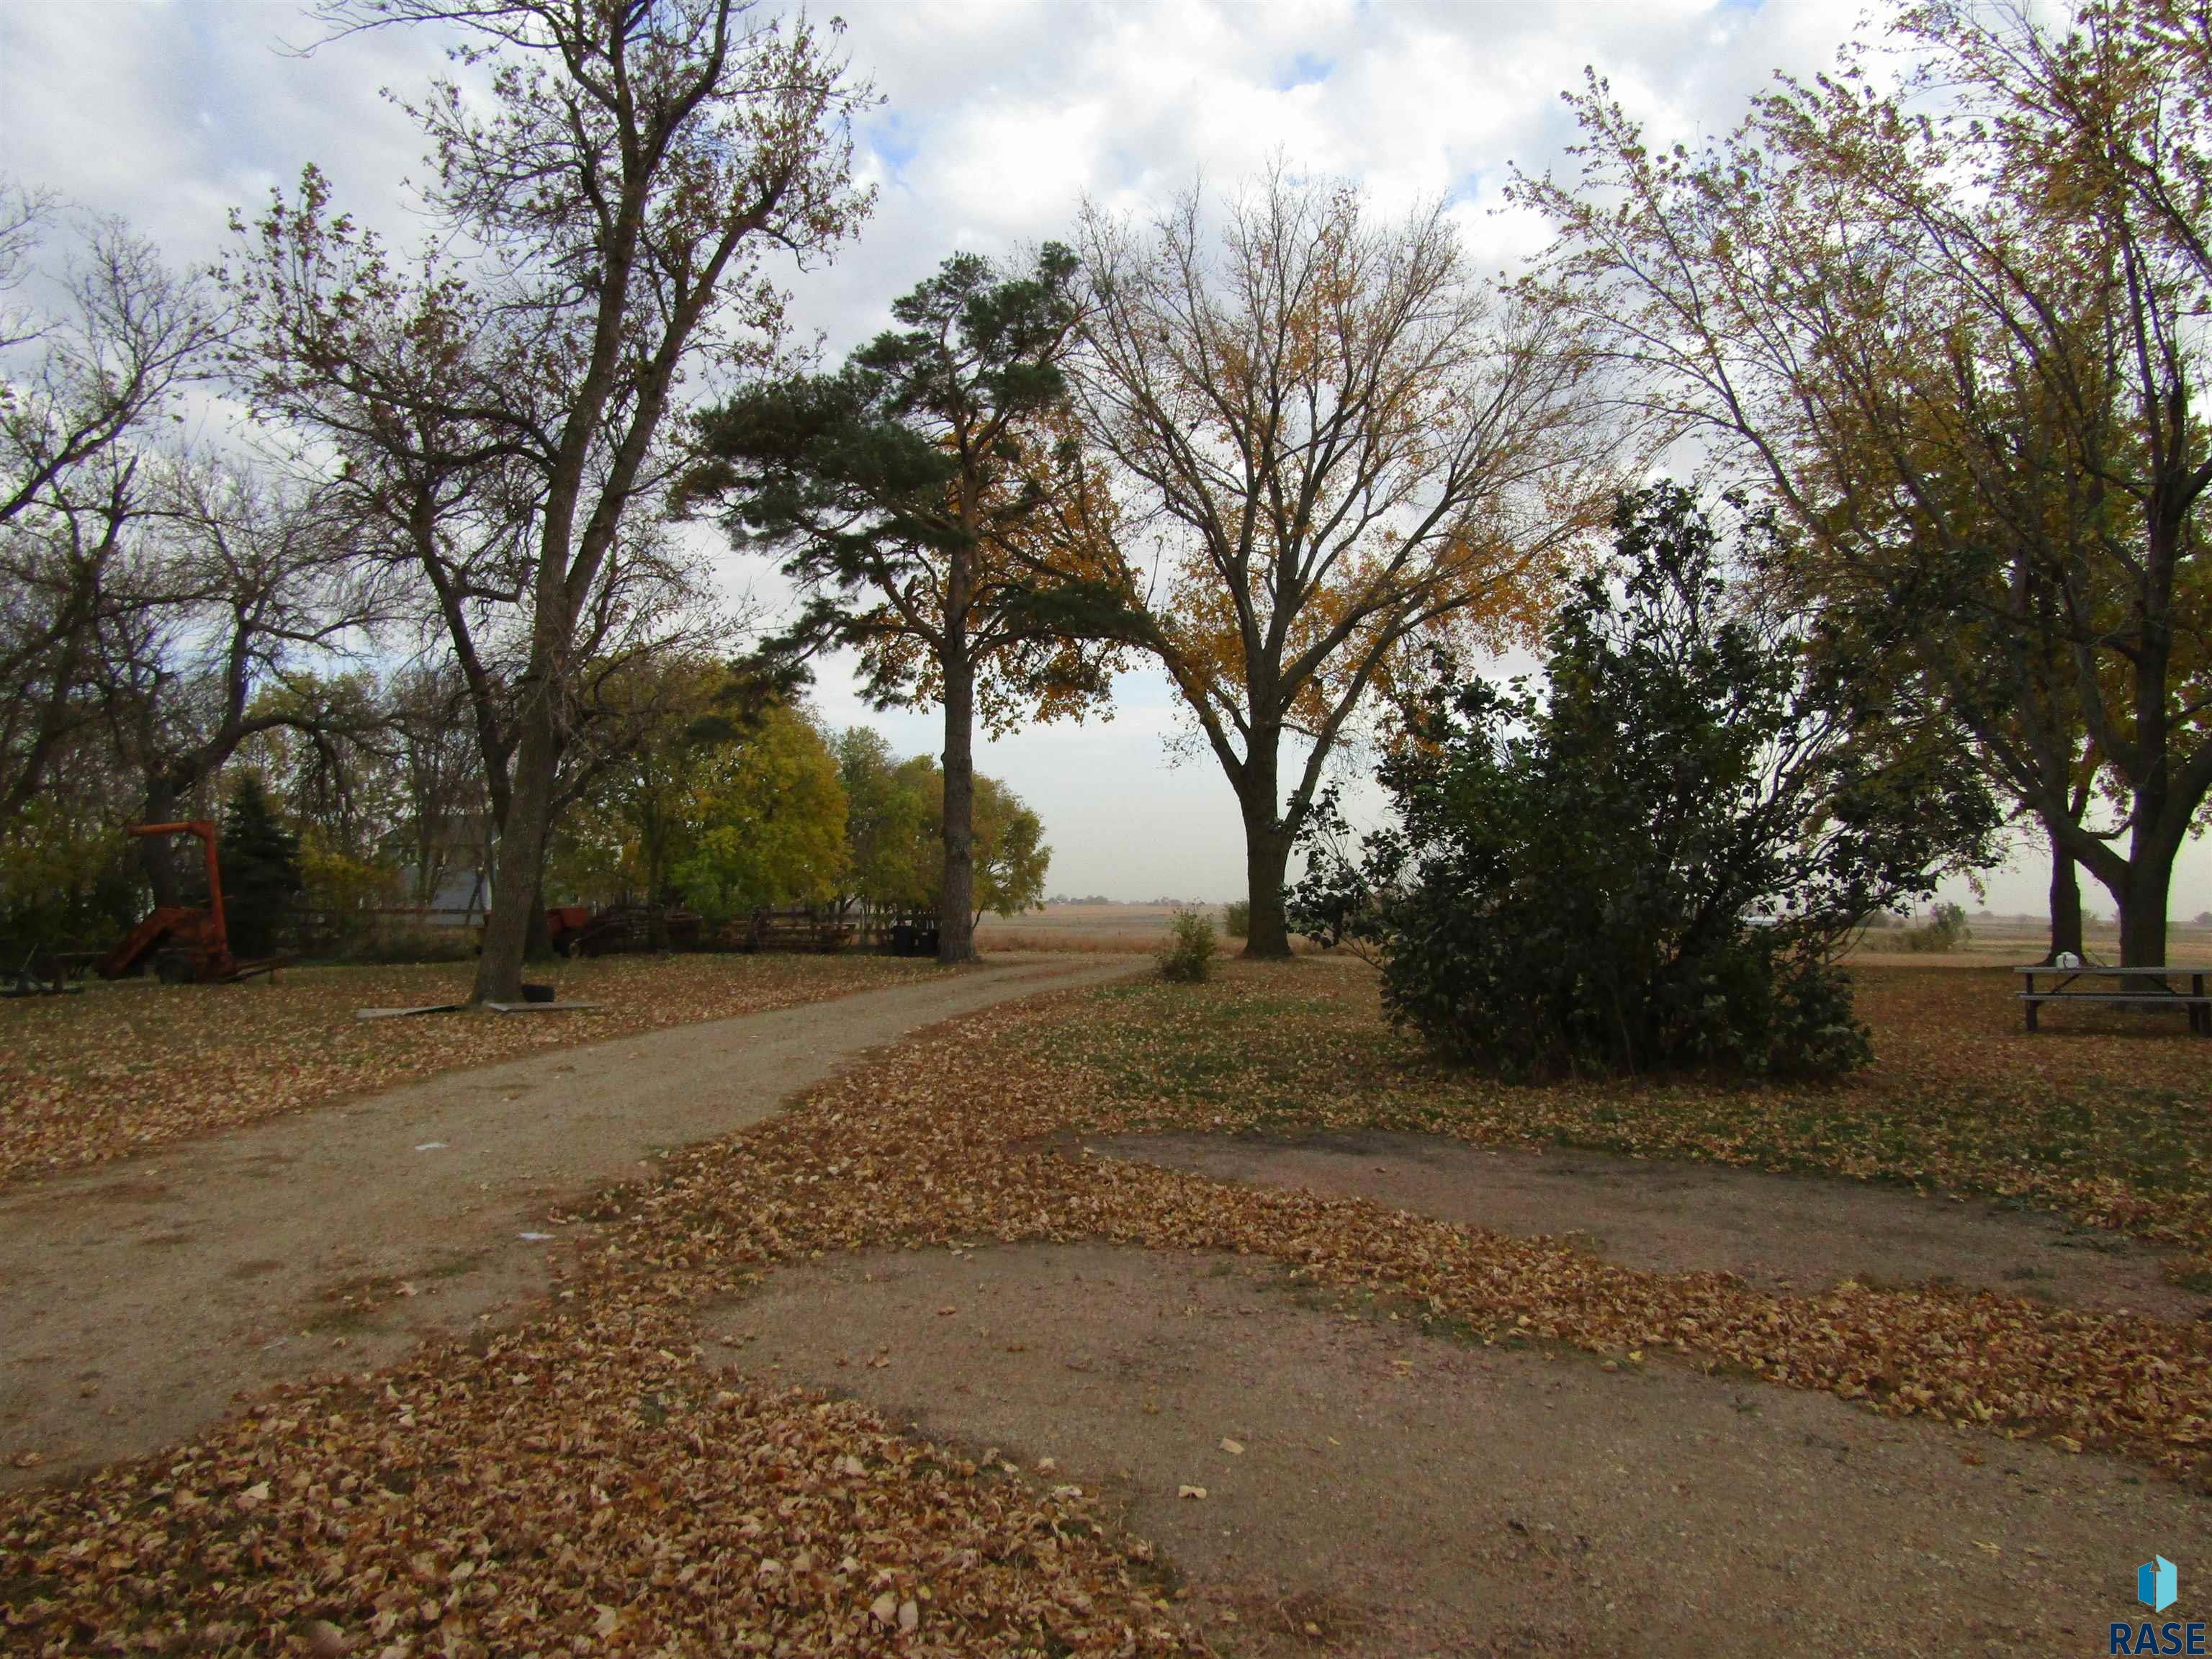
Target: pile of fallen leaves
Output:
{"points": [[580, 1485], [584, 1481], [128, 1066]]}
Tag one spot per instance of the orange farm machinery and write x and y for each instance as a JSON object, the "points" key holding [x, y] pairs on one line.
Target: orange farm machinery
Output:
{"points": [[182, 944]]}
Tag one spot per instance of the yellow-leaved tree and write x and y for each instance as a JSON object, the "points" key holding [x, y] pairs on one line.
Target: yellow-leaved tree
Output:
{"points": [[1954, 328], [769, 820], [1349, 446]]}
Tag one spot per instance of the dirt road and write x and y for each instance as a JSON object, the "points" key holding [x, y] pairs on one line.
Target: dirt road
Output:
{"points": [[1333, 1482], [136, 1298]]}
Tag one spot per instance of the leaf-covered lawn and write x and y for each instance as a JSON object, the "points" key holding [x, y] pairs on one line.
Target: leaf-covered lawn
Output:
{"points": [[2104, 1115], [128, 1066], [584, 1481]]}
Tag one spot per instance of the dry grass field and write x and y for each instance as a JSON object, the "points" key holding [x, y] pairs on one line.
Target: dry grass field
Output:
{"points": [[1120, 929], [2011, 940], [1994, 940]]}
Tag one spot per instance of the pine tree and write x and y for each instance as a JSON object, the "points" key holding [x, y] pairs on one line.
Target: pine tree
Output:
{"points": [[933, 505], [260, 862]]}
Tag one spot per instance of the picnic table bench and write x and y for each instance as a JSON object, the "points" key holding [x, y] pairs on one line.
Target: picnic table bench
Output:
{"points": [[2142, 988]]}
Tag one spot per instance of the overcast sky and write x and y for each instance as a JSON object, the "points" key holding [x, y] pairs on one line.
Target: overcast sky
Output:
{"points": [[997, 121]]}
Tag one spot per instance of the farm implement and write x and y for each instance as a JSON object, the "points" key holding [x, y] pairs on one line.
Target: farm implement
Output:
{"points": [[184, 945]]}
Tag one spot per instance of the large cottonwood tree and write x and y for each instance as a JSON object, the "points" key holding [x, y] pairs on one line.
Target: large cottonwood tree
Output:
{"points": [[1348, 444]]}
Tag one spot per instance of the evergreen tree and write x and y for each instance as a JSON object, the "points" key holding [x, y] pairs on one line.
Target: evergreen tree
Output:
{"points": [[922, 498], [260, 861], [1651, 865]]}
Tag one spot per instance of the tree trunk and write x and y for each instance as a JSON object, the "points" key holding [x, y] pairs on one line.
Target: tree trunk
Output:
{"points": [[538, 940], [2143, 904], [521, 856], [1266, 844], [1267, 860], [956, 934], [2065, 903], [156, 857]]}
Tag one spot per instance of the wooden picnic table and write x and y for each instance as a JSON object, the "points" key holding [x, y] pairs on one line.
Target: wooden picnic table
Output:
{"points": [[2142, 988]]}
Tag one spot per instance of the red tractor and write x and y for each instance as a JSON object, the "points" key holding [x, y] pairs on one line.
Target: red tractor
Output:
{"points": [[185, 945]]}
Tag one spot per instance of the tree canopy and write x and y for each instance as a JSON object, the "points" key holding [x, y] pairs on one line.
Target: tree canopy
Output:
{"points": [[1948, 324], [913, 495], [1349, 447]]}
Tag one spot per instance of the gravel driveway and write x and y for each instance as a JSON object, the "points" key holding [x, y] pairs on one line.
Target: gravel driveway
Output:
{"points": [[136, 1298], [1368, 1489]]}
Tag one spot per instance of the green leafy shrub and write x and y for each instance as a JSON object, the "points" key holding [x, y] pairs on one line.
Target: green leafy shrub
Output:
{"points": [[68, 879], [1237, 917], [1650, 865], [1946, 929], [1186, 957]]}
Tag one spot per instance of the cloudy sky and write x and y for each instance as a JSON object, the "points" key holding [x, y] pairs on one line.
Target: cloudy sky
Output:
{"points": [[997, 121]]}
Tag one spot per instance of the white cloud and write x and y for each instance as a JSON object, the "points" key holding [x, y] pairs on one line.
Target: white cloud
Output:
{"points": [[171, 115]]}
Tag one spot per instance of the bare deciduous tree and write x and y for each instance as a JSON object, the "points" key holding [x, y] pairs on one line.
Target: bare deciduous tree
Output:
{"points": [[241, 583], [85, 382], [1349, 445], [618, 183]]}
